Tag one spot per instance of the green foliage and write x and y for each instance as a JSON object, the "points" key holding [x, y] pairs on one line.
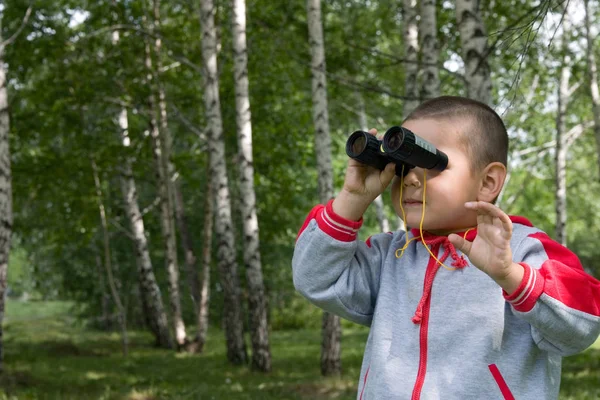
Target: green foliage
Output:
{"points": [[68, 82], [49, 357]]}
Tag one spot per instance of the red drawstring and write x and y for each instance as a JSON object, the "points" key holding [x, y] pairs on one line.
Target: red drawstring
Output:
{"points": [[459, 262]]}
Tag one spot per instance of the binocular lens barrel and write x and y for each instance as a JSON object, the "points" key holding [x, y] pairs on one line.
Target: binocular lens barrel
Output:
{"points": [[402, 145], [366, 148]]}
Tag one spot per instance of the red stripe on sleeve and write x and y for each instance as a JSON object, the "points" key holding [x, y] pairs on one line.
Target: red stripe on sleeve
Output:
{"points": [[332, 224], [564, 278], [529, 290]]}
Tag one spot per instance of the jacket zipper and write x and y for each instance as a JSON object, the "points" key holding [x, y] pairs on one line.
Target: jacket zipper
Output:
{"points": [[416, 394], [504, 389], [365, 382]]}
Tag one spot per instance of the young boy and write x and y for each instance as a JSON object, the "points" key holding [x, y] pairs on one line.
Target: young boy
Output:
{"points": [[490, 323]]}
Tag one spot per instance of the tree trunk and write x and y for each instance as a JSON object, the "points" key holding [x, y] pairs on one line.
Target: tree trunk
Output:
{"points": [[6, 216], [104, 296], [107, 262], [430, 51], [331, 328], [236, 348], [188, 245], [410, 32], [561, 139], [152, 300], [173, 184], [166, 213], [592, 70], [259, 331], [473, 38], [384, 224], [206, 259]]}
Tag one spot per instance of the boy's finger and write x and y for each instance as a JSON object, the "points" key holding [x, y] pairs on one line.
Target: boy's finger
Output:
{"points": [[373, 131], [387, 174], [460, 243], [486, 212]]}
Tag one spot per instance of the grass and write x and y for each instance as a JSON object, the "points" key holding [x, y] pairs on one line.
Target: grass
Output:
{"points": [[50, 356]]}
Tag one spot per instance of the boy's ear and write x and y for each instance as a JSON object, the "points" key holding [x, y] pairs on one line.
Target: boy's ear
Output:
{"points": [[492, 181]]}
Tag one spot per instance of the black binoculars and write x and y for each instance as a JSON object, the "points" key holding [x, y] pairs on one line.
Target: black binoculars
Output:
{"points": [[400, 146]]}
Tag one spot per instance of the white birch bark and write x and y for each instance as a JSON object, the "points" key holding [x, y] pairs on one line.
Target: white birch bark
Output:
{"points": [[592, 70], [6, 215], [410, 32], [331, 327], [151, 297], [166, 205], [175, 193], [236, 348], [430, 50], [204, 298], [562, 147], [473, 38], [259, 332]]}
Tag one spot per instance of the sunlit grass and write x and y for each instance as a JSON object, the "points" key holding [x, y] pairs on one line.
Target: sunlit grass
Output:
{"points": [[55, 358]]}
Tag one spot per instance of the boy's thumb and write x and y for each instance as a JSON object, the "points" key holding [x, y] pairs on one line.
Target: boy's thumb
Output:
{"points": [[460, 243]]}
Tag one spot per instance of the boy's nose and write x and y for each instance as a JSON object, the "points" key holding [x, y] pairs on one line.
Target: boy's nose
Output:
{"points": [[411, 179]]}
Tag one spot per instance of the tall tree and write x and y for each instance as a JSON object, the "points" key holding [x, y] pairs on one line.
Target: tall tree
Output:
{"points": [[592, 70], [475, 50], [203, 300], [151, 296], [107, 260], [410, 32], [331, 363], [228, 268], [259, 331], [175, 197], [430, 51], [166, 205], [562, 145], [6, 217]]}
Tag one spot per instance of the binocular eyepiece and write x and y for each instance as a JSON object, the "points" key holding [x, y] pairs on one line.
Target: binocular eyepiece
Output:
{"points": [[400, 146]]}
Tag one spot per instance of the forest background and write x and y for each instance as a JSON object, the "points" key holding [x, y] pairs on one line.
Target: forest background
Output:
{"points": [[162, 157]]}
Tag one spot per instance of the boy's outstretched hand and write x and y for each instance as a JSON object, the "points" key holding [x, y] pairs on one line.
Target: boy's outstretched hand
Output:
{"points": [[490, 251]]}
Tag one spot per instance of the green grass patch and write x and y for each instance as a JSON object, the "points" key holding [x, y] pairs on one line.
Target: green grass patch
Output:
{"points": [[53, 357]]}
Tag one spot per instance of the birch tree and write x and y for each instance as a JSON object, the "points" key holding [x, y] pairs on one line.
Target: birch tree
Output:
{"points": [[430, 51], [259, 332], [107, 261], [410, 32], [166, 205], [6, 217], [151, 296], [331, 327], [204, 298], [562, 148], [236, 348], [175, 194], [592, 70], [473, 39]]}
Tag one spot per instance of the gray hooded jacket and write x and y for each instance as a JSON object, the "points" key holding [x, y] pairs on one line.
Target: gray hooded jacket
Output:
{"points": [[449, 331]]}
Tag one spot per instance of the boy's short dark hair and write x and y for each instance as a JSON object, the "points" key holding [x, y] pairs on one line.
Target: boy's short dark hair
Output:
{"points": [[485, 137]]}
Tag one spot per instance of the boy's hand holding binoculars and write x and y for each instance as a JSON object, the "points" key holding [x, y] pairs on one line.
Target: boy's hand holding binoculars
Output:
{"points": [[362, 184]]}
